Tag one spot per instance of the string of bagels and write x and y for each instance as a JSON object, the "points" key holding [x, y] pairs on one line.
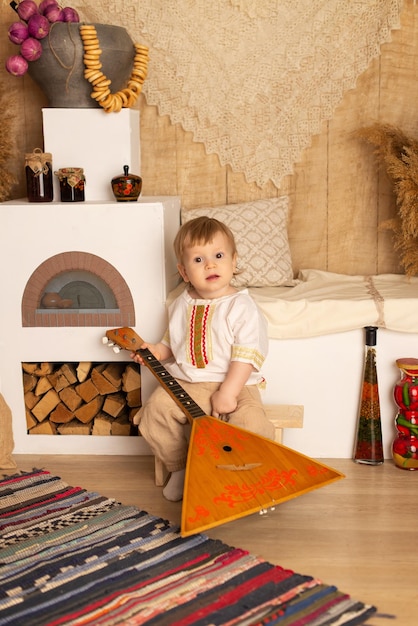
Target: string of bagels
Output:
{"points": [[101, 84]]}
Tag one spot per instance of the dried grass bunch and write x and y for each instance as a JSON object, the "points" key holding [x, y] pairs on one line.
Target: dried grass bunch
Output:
{"points": [[8, 119], [399, 154]]}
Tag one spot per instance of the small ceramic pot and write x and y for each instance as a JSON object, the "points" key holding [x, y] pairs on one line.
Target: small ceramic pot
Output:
{"points": [[65, 304], [126, 187], [50, 300]]}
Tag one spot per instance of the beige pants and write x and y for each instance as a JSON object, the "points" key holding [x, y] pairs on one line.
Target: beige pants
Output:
{"points": [[162, 422]]}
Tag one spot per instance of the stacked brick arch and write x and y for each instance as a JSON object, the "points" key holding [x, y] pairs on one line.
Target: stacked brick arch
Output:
{"points": [[33, 316]]}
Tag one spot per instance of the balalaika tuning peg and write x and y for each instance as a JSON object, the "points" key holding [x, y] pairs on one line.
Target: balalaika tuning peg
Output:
{"points": [[110, 344]]}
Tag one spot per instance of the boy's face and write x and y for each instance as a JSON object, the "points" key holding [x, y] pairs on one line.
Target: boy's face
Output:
{"points": [[209, 267]]}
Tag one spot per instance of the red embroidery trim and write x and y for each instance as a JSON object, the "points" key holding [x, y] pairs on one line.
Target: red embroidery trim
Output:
{"points": [[198, 335], [191, 336]]}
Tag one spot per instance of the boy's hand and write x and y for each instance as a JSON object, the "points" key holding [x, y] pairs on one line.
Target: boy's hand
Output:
{"points": [[222, 403], [224, 400], [135, 356], [159, 350]]}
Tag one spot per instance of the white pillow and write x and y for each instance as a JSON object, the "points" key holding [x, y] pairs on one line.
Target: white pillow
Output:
{"points": [[260, 230]]}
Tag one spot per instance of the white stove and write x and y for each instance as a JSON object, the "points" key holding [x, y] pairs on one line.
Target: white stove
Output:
{"points": [[127, 247]]}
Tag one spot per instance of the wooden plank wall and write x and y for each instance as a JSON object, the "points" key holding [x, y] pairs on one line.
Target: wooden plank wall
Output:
{"points": [[339, 195]]}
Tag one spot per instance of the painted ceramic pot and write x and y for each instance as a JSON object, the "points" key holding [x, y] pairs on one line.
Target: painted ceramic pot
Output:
{"points": [[126, 187]]}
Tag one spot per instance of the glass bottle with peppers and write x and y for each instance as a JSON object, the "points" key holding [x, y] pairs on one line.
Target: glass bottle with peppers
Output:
{"points": [[405, 444], [368, 447]]}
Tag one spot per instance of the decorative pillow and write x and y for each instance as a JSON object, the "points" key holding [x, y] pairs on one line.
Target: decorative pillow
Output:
{"points": [[260, 230]]}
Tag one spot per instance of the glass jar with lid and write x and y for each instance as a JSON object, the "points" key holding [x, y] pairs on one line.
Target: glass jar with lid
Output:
{"points": [[38, 170], [72, 183]]}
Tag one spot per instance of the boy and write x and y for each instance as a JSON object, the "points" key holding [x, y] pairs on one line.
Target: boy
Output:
{"points": [[215, 345]]}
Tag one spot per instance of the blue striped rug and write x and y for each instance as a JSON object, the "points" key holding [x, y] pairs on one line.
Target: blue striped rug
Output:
{"points": [[69, 556]]}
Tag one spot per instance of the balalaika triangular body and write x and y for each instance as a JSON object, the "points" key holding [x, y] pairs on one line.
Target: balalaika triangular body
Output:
{"points": [[230, 471]]}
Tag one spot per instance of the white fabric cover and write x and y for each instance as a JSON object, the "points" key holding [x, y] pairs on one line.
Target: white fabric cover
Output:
{"points": [[323, 303]]}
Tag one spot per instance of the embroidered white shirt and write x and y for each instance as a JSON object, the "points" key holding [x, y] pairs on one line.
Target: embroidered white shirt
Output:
{"points": [[205, 335]]}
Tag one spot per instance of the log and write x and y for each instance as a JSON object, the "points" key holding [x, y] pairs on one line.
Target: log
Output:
{"points": [[69, 371], [102, 425], [101, 383], [30, 420], [113, 373], [58, 380], [43, 385], [133, 398], [61, 415], [83, 370], [45, 405], [43, 369], [131, 378], [45, 428], [30, 400], [74, 428], [122, 426], [29, 382], [87, 412], [29, 368], [87, 390], [114, 404], [71, 398]]}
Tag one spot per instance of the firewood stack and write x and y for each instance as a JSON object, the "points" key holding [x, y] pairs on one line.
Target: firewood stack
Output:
{"points": [[81, 398]]}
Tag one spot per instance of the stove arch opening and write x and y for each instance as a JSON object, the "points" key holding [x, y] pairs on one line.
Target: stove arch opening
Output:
{"points": [[88, 291]]}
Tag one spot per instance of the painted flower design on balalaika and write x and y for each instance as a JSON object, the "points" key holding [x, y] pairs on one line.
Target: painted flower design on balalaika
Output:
{"points": [[230, 472]]}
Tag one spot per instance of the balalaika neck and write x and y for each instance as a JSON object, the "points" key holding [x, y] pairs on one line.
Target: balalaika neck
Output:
{"points": [[170, 384]]}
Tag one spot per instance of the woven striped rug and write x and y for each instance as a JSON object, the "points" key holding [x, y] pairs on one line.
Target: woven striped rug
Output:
{"points": [[70, 556]]}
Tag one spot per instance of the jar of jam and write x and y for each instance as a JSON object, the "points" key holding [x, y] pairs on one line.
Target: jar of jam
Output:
{"points": [[38, 169], [72, 183]]}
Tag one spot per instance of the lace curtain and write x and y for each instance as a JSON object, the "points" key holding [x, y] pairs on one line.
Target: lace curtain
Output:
{"points": [[253, 80]]}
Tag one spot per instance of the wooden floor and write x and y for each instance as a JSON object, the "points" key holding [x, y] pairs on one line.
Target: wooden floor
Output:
{"points": [[360, 533]]}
